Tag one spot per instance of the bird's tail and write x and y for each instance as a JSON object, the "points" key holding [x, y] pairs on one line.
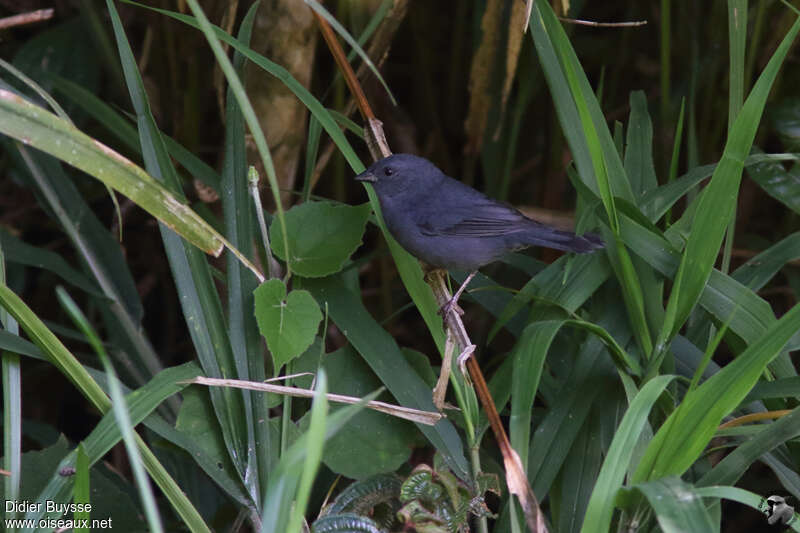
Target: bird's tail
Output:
{"points": [[567, 241]]}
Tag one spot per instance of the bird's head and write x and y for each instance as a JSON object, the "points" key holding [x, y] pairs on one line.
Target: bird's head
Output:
{"points": [[399, 173]]}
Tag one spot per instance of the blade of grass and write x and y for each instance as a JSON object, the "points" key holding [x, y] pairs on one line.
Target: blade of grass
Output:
{"points": [[12, 403], [721, 295], [737, 36], [639, 151], [17, 251], [734, 465], [659, 201], [101, 256], [677, 506], [43, 130], [687, 431], [586, 274], [282, 488], [235, 86], [676, 148], [199, 299], [316, 6], [121, 128], [118, 408], [612, 474], [44, 95], [315, 444], [72, 369], [63, 114], [717, 204], [82, 488], [595, 142], [240, 231]]}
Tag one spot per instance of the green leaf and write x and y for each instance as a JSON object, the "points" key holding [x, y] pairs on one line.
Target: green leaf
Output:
{"points": [[118, 408], [82, 488], [718, 201], [17, 251], [283, 481], [678, 507], [200, 301], [601, 505], [734, 465], [196, 421], [241, 230], [41, 129], [315, 443], [110, 497], [658, 201], [639, 152], [289, 324], [687, 431], [781, 184], [322, 236], [529, 357], [371, 442], [382, 354], [786, 121], [757, 271]]}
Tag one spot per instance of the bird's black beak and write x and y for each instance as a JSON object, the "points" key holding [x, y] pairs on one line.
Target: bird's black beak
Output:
{"points": [[366, 176]]}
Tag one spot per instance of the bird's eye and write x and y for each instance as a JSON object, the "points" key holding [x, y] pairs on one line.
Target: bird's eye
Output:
{"points": [[388, 171]]}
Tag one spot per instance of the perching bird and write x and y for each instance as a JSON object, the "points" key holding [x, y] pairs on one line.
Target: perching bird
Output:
{"points": [[450, 225]]}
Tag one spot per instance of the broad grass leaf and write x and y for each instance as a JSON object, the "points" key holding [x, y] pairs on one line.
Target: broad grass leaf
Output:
{"points": [[734, 465], [781, 184], [618, 457], [678, 508], [687, 431], [786, 121]]}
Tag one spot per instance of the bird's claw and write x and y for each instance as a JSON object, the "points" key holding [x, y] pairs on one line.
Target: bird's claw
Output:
{"points": [[450, 306], [462, 359]]}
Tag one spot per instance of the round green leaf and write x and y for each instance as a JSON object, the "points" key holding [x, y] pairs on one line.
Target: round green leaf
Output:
{"points": [[321, 235], [287, 323], [371, 442]]}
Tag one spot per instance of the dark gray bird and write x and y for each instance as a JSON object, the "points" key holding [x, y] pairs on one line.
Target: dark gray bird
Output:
{"points": [[450, 225]]}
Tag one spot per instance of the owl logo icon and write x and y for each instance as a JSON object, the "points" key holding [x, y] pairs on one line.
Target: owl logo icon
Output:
{"points": [[778, 512]]}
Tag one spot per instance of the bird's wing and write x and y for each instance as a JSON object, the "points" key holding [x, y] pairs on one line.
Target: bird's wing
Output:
{"points": [[482, 219]]}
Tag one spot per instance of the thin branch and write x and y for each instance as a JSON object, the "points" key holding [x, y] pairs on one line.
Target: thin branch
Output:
{"points": [[415, 415], [341, 60], [26, 18], [592, 23]]}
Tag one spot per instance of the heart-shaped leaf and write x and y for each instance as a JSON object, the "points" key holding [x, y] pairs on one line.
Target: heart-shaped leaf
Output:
{"points": [[321, 236], [288, 323]]}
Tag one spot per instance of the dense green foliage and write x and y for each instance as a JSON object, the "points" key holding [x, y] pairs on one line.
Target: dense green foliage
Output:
{"points": [[649, 385]]}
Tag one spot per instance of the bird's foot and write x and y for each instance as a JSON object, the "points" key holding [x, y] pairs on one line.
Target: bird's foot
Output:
{"points": [[451, 306], [465, 354]]}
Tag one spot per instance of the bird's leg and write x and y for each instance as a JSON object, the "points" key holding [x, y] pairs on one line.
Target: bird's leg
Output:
{"points": [[444, 375], [465, 354], [452, 304]]}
